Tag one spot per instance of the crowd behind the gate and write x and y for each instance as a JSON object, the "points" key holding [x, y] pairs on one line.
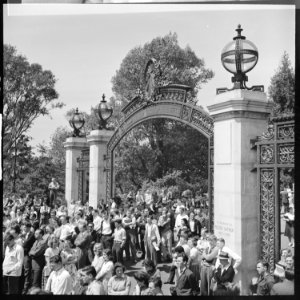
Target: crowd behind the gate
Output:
{"points": [[50, 248]]}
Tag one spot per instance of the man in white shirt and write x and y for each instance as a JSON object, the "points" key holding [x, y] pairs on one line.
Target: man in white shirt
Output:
{"points": [[66, 228], [232, 255], [12, 265], [59, 281], [97, 220]]}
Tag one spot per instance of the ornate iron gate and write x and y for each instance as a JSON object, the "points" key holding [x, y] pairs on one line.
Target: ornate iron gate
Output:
{"points": [[83, 178], [171, 102], [275, 150]]}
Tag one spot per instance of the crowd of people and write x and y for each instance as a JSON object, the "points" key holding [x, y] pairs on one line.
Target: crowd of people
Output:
{"points": [[76, 249]]}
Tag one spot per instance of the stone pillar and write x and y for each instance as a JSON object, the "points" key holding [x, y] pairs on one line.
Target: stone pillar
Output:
{"points": [[239, 115], [97, 140], [73, 146]]}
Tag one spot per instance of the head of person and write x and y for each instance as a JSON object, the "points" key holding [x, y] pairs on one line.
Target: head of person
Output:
{"points": [[56, 222], [79, 215], [15, 230], [98, 249], [88, 274], [95, 212], [53, 179], [155, 284], [149, 219], [146, 212], [53, 214], [184, 222], [220, 243], [192, 216], [82, 226], [128, 213], [49, 229], [212, 239], [118, 222], [53, 242], [90, 227], [55, 263], [119, 269], [181, 261], [291, 210], [289, 262], [223, 258], [107, 255], [142, 279], [38, 234], [192, 242], [262, 267], [105, 214], [68, 243], [204, 233], [181, 210], [10, 240], [149, 266], [26, 227]]}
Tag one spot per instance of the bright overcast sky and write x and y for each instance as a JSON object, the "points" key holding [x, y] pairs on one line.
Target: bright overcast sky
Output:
{"points": [[83, 45]]}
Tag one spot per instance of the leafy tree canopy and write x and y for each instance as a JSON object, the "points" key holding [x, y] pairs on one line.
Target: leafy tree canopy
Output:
{"points": [[28, 92], [282, 88], [178, 65]]}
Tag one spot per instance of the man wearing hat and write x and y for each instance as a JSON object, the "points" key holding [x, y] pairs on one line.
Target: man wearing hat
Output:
{"points": [[224, 274]]}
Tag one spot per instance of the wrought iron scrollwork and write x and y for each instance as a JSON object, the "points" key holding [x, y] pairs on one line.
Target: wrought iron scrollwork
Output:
{"points": [[267, 215], [286, 154], [285, 132], [266, 154]]}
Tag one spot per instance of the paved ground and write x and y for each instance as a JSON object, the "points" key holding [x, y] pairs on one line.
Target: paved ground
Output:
{"points": [[163, 267]]}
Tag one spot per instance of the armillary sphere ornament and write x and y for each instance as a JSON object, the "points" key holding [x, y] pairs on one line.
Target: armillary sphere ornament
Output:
{"points": [[239, 57], [77, 122], [104, 112]]}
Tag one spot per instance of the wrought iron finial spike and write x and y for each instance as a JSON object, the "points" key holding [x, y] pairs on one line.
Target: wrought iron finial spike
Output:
{"points": [[103, 97], [76, 111]]}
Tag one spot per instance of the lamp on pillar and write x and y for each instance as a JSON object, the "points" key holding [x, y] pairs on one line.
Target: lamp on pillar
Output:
{"points": [[239, 57], [77, 122], [104, 112]]}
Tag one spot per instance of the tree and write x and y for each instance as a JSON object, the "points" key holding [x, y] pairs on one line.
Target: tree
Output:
{"points": [[28, 92], [282, 88], [160, 147], [177, 65]]}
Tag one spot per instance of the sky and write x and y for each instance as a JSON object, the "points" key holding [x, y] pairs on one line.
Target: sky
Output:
{"points": [[84, 45]]}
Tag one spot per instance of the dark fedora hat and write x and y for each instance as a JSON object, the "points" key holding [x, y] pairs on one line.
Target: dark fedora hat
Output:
{"points": [[223, 255]]}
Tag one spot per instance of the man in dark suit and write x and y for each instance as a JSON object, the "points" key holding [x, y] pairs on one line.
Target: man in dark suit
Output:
{"points": [[186, 283], [224, 274], [36, 253], [195, 225], [28, 242]]}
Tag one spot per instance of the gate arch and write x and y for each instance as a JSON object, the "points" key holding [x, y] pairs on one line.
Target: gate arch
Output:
{"points": [[170, 103]]}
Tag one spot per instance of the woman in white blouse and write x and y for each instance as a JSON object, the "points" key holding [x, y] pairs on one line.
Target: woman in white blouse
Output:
{"points": [[106, 270]]}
